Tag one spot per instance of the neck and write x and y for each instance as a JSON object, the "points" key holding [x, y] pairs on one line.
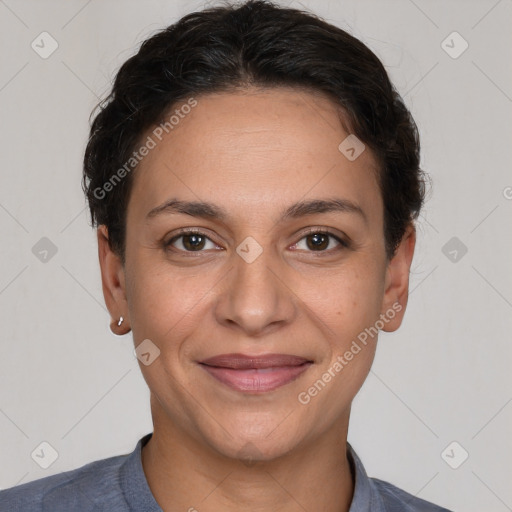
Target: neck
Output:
{"points": [[187, 475]]}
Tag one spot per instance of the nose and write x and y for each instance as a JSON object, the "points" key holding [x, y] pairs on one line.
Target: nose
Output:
{"points": [[255, 297]]}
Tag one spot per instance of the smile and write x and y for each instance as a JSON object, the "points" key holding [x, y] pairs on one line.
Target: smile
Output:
{"points": [[255, 374]]}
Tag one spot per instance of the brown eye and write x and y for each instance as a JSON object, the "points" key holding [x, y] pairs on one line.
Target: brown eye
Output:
{"points": [[320, 241], [190, 242], [193, 242], [317, 241]]}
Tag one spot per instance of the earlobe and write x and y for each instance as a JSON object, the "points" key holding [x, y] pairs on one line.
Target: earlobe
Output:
{"points": [[113, 282], [397, 281], [119, 327]]}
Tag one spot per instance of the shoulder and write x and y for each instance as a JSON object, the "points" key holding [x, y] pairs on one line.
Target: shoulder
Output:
{"points": [[398, 500], [81, 489], [380, 496]]}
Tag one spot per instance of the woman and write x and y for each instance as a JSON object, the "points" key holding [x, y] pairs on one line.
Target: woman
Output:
{"points": [[255, 179]]}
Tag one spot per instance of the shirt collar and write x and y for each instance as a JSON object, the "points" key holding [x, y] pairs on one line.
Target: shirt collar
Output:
{"points": [[133, 481], [365, 498]]}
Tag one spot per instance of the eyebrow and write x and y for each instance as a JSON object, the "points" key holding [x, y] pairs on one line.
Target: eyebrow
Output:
{"points": [[297, 210]]}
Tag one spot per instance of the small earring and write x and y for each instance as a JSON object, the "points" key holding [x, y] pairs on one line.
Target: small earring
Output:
{"points": [[118, 329]]}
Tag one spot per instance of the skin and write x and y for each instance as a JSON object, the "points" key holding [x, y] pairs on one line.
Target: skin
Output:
{"points": [[254, 153]]}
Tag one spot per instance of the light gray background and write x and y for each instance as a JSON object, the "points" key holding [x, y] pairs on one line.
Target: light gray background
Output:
{"points": [[444, 376]]}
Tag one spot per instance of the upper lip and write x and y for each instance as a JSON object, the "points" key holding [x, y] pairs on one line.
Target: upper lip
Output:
{"points": [[244, 362]]}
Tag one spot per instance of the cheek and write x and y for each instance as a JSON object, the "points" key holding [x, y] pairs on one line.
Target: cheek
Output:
{"points": [[346, 299], [348, 306], [165, 305]]}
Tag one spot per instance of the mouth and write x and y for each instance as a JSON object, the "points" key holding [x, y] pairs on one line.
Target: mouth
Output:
{"points": [[255, 374]]}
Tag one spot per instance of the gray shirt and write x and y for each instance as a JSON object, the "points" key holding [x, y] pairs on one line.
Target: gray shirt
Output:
{"points": [[118, 484]]}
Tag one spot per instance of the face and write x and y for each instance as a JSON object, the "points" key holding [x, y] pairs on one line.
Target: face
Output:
{"points": [[257, 296]]}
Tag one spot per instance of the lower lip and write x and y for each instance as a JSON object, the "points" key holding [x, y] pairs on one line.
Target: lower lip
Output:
{"points": [[256, 380]]}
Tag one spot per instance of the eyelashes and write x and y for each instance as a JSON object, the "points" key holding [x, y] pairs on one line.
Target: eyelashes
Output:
{"points": [[194, 241], [324, 235], [197, 237]]}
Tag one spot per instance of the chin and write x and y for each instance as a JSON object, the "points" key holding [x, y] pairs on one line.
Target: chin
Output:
{"points": [[252, 451], [254, 438]]}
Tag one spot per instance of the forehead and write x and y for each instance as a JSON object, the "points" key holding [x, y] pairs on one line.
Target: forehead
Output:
{"points": [[266, 147]]}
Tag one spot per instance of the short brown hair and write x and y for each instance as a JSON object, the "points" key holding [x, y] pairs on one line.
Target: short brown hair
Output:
{"points": [[256, 43]]}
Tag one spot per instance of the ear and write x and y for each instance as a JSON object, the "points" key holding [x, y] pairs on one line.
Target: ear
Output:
{"points": [[112, 277], [396, 292]]}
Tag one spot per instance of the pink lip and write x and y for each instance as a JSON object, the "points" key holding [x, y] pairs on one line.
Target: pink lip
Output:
{"points": [[255, 374]]}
